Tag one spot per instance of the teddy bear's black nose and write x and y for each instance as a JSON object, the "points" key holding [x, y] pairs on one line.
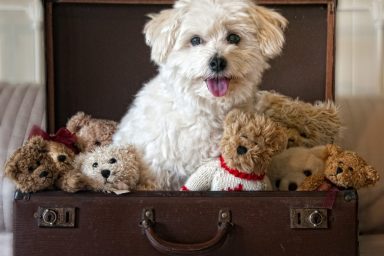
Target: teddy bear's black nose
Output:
{"points": [[43, 174], [339, 170], [241, 150], [61, 158], [105, 173]]}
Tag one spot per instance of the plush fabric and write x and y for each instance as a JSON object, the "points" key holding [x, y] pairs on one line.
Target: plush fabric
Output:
{"points": [[21, 107]]}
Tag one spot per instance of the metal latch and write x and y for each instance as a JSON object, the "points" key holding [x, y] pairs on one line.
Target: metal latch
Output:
{"points": [[311, 218], [56, 217]]}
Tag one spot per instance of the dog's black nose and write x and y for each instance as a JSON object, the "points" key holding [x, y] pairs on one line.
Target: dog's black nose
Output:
{"points": [[217, 64], [241, 150], [339, 170], [43, 174], [61, 158], [105, 173]]}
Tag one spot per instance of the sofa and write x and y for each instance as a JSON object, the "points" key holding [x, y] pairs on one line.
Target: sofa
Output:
{"points": [[22, 106]]}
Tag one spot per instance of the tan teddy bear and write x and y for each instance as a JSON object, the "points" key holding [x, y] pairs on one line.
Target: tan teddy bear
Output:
{"points": [[307, 124], [91, 132], [343, 170], [39, 165], [70, 179], [111, 168], [248, 143], [289, 168]]}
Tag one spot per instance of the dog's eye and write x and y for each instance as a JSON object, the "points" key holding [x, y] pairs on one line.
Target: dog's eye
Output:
{"points": [[233, 39], [97, 143], [94, 165], [196, 41], [112, 161]]}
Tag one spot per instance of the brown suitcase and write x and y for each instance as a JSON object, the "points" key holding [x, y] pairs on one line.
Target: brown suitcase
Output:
{"points": [[96, 62]]}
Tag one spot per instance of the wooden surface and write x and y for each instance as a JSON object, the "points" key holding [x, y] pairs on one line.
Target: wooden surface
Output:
{"points": [[109, 224]]}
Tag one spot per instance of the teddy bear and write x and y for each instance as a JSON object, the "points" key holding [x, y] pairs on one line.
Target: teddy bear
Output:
{"points": [[70, 179], [91, 132], [249, 141], [39, 164], [289, 168], [343, 169], [111, 168], [307, 124]]}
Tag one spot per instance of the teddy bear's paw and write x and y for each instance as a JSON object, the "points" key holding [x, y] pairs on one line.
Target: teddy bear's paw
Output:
{"points": [[73, 183]]}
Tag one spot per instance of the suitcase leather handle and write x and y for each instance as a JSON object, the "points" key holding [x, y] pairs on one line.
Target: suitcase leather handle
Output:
{"points": [[223, 227]]}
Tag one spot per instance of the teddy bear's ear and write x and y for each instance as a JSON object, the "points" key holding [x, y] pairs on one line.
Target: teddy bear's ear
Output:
{"points": [[37, 143], [321, 151], [11, 169], [161, 33], [280, 138], [333, 149], [76, 122], [371, 175], [270, 34]]}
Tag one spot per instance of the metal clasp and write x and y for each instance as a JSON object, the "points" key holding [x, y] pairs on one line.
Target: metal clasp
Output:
{"points": [[56, 217], [309, 218]]}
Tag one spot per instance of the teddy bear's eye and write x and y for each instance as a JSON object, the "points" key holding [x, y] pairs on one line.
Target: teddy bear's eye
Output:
{"points": [[244, 137], [304, 135], [112, 161], [97, 143], [341, 163], [350, 169], [307, 173], [31, 169], [94, 165]]}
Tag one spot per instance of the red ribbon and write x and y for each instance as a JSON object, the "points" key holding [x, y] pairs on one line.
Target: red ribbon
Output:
{"points": [[63, 136]]}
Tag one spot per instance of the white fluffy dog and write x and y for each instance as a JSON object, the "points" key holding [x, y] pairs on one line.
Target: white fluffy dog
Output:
{"points": [[211, 55]]}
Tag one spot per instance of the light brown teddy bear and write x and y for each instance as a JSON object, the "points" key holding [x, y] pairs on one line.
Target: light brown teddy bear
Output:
{"points": [[307, 124], [91, 132], [289, 168], [32, 167], [249, 141], [110, 168], [70, 179], [343, 170]]}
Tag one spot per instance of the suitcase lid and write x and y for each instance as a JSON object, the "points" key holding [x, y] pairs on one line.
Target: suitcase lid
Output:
{"points": [[97, 59]]}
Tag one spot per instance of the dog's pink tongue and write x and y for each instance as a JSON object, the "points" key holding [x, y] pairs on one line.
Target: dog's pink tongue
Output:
{"points": [[218, 86]]}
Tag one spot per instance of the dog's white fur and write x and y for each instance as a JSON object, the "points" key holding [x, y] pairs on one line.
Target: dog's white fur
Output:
{"points": [[175, 120]]}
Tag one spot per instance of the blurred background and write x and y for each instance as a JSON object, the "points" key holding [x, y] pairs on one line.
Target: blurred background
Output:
{"points": [[359, 45]]}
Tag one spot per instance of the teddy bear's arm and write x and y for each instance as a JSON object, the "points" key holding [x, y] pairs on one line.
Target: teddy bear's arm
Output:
{"points": [[311, 183], [201, 180]]}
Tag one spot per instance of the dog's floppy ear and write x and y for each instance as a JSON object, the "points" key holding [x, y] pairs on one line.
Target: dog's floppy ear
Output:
{"points": [[161, 33], [270, 33]]}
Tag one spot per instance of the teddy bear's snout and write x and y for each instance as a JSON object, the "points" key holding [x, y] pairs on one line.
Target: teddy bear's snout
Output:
{"points": [[105, 173], [339, 170], [241, 150]]}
